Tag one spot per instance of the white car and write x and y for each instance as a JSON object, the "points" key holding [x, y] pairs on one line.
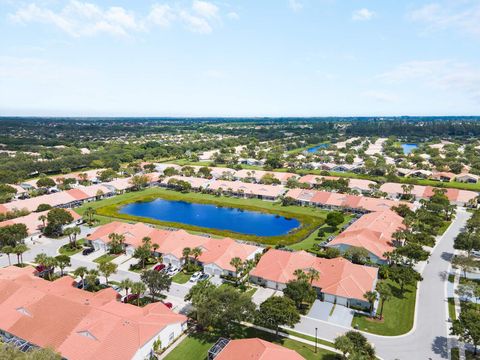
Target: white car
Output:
{"points": [[172, 271], [195, 276]]}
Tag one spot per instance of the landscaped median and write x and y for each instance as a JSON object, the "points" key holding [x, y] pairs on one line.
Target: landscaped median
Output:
{"points": [[310, 218]]}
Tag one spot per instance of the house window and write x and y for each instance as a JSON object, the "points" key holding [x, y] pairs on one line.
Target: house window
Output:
{"points": [[171, 337]]}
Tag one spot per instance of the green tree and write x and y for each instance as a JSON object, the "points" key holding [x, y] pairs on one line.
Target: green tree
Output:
{"points": [[72, 233], [465, 263], [107, 268], [90, 213], [91, 278], [334, 218], [404, 275], [237, 263], [138, 288], [467, 327], [45, 182], [312, 275], [8, 250], [385, 293], [277, 311], [186, 254], [116, 243], [19, 250], [371, 297], [81, 272], [355, 345], [143, 253], [56, 219], [156, 282], [62, 262], [357, 255], [301, 292], [126, 284]]}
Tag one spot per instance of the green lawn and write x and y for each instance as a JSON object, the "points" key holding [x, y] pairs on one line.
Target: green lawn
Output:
{"points": [[455, 354], [249, 290], [181, 278], [310, 218], [307, 337], [398, 314], [105, 258], [66, 250], [469, 356], [311, 240], [196, 346], [444, 227], [451, 309]]}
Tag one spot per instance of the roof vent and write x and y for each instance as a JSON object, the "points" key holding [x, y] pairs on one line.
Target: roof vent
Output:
{"points": [[87, 334], [24, 311]]}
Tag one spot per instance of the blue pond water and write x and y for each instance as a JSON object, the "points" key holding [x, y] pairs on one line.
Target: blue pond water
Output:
{"points": [[211, 216], [316, 148], [408, 148]]}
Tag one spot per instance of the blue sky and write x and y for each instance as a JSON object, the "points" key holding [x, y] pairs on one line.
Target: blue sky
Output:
{"points": [[239, 58]]}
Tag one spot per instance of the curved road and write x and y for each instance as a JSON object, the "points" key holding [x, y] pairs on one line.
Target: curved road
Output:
{"points": [[428, 339]]}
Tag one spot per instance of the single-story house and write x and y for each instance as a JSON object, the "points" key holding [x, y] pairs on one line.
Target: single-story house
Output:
{"points": [[340, 281], [196, 182], [373, 232], [248, 190], [257, 175], [78, 324], [443, 176], [251, 349], [467, 178]]}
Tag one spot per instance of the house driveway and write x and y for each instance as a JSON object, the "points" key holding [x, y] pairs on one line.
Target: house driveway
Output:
{"points": [[341, 315], [89, 257], [263, 294]]}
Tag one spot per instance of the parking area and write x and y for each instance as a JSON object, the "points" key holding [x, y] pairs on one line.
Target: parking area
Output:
{"points": [[325, 311], [263, 294], [89, 257]]}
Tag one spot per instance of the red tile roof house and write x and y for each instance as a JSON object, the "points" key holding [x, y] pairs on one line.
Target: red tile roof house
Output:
{"points": [[251, 349], [34, 225], [257, 175], [456, 196], [360, 185], [340, 281], [248, 190], [216, 253], [373, 232], [78, 324], [195, 182]]}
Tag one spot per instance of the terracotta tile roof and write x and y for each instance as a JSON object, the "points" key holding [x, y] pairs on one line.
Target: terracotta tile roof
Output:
{"points": [[258, 174], [78, 324], [337, 276], [256, 349], [197, 183], [32, 222], [273, 191]]}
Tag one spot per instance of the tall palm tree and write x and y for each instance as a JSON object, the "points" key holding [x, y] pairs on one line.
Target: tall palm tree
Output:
{"points": [[300, 274], [43, 219], [81, 272], [312, 275], [91, 278], [89, 213], [126, 284], [196, 252], [19, 250], [385, 293], [186, 254], [138, 288], [8, 250], [371, 296]]}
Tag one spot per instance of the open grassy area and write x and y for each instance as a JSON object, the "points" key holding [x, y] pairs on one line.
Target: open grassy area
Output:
{"points": [[196, 346], [66, 250], [105, 258], [181, 278], [313, 239], [451, 309], [443, 228], [398, 313], [309, 217]]}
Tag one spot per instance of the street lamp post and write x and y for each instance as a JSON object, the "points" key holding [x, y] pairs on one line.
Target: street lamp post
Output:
{"points": [[316, 340]]}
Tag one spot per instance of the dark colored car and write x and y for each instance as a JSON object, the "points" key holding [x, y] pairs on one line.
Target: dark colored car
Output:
{"points": [[130, 298], [43, 270], [159, 267], [168, 304], [80, 284], [88, 251]]}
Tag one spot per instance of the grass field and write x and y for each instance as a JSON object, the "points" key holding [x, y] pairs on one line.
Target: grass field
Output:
{"points": [[181, 278], [65, 249], [105, 258], [309, 217], [451, 309], [398, 314], [196, 346]]}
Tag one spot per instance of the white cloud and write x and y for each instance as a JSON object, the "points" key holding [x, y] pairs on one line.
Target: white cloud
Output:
{"points": [[79, 18], [233, 15], [295, 5], [446, 75], [205, 9], [463, 16], [161, 15], [363, 15]]}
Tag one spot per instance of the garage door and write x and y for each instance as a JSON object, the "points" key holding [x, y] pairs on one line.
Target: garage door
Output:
{"points": [[271, 284], [342, 301]]}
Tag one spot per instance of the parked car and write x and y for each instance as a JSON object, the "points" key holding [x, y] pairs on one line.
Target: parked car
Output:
{"points": [[88, 251], [195, 276], [203, 277], [80, 284], [130, 297], [172, 271], [159, 267], [475, 253], [168, 305], [43, 270]]}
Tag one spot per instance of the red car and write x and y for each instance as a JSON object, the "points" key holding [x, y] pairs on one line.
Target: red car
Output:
{"points": [[168, 304], [159, 267], [130, 297]]}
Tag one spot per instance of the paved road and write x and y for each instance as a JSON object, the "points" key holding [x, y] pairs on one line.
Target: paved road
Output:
{"points": [[428, 340]]}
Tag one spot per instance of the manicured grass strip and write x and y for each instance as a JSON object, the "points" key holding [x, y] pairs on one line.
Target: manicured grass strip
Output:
{"points": [[398, 313], [105, 258], [181, 278], [307, 337], [309, 217], [469, 356], [451, 309], [443, 228], [196, 345], [455, 354], [66, 250], [451, 278]]}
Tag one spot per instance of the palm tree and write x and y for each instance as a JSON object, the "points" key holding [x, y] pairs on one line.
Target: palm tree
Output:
{"points": [[385, 293], [125, 284], [196, 252], [43, 219], [186, 254], [89, 213], [371, 296], [8, 250], [237, 263], [107, 268], [81, 272], [300, 274], [91, 278], [155, 247], [313, 274], [138, 288], [19, 250]]}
